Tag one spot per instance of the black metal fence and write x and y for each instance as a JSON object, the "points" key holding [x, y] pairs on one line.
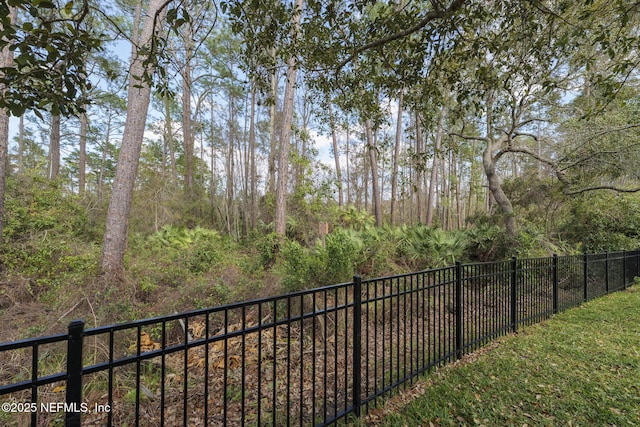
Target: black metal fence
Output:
{"points": [[308, 358]]}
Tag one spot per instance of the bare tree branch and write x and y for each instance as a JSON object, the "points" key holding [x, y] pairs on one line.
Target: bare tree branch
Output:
{"points": [[436, 13], [469, 137], [568, 192], [542, 159], [599, 153], [566, 184], [527, 134], [603, 133]]}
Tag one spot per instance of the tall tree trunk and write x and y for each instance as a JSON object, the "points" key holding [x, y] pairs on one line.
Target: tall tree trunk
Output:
{"points": [[419, 174], [448, 188], [82, 158], [117, 221], [495, 187], [285, 130], [6, 60], [495, 184], [213, 168], [431, 199], [375, 180], [21, 145], [105, 147], [187, 131], [253, 172], [273, 145], [348, 160], [396, 160], [54, 147], [336, 153], [364, 188], [4, 151], [101, 173], [246, 170], [168, 140], [443, 206], [230, 165], [455, 177], [472, 180], [299, 148], [303, 139]]}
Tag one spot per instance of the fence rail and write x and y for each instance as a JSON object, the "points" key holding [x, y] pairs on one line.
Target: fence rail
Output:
{"points": [[308, 358]]}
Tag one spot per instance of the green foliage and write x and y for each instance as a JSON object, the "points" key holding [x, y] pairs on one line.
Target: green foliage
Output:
{"points": [[370, 251], [268, 246], [600, 150], [181, 237], [355, 218], [603, 221], [50, 263], [344, 251], [202, 293], [203, 256], [35, 206], [336, 262], [299, 266], [427, 247], [45, 235], [50, 42], [446, 247], [536, 201], [197, 250], [489, 242], [377, 250]]}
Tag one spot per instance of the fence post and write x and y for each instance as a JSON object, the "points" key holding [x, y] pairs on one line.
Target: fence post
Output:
{"points": [[513, 307], [357, 344], [74, 373], [459, 340], [555, 283], [585, 271]]}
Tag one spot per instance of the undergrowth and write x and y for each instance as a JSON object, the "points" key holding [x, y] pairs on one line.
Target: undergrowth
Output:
{"points": [[49, 262]]}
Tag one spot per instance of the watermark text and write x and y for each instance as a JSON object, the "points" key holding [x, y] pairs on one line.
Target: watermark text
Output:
{"points": [[54, 407]]}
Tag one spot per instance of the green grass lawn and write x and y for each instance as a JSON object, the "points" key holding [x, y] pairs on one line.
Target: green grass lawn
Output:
{"points": [[580, 368]]}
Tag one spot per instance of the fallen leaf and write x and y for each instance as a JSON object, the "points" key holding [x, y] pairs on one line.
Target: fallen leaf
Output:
{"points": [[146, 344]]}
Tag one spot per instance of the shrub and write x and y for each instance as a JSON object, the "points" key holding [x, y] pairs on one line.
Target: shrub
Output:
{"points": [[268, 247], [344, 250], [203, 256], [604, 222], [198, 249], [36, 206], [299, 266], [487, 243]]}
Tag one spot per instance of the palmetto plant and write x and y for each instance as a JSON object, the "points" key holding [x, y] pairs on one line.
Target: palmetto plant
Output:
{"points": [[434, 247], [356, 218], [487, 242], [197, 249], [345, 250], [171, 236], [446, 247]]}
